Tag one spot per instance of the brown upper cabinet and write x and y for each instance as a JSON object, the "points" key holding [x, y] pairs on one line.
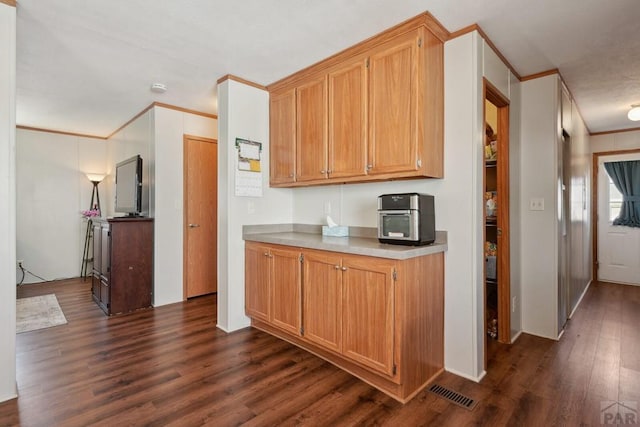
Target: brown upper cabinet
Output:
{"points": [[372, 112], [282, 128], [311, 130]]}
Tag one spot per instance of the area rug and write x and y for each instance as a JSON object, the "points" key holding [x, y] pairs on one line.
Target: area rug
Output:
{"points": [[39, 312]]}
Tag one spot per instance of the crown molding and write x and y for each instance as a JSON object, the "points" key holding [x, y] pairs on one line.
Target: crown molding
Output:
{"points": [[60, 132], [608, 132], [240, 80]]}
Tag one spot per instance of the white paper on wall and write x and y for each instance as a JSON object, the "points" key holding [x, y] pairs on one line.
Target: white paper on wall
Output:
{"points": [[248, 170]]}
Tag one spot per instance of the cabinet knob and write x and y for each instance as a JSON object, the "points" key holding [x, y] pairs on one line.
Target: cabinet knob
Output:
{"points": [[369, 167], [323, 171], [329, 171], [290, 175], [266, 254], [337, 267], [344, 268]]}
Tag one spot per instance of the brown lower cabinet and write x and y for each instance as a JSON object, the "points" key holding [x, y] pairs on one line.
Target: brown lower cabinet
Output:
{"points": [[122, 279], [380, 319]]}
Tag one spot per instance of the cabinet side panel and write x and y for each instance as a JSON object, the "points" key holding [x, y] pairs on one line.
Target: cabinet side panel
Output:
{"points": [[431, 111], [422, 309], [131, 265]]}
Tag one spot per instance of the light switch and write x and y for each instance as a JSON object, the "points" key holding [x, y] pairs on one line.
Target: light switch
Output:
{"points": [[536, 204]]}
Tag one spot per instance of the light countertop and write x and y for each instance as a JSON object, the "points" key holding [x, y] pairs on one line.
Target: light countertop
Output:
{"points": [[362, 240]]}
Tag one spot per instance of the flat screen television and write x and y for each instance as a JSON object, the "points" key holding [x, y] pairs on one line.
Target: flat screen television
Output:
{"points": [[129, 186]]}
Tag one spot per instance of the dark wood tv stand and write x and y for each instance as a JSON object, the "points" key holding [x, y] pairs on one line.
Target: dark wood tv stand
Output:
{"points": [[122, 279]]}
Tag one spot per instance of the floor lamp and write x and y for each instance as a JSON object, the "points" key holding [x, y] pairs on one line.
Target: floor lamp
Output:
{"points": [[95, 208]]}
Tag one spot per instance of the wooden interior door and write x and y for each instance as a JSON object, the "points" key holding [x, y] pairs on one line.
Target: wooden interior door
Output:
{"points": [[200, 216]]}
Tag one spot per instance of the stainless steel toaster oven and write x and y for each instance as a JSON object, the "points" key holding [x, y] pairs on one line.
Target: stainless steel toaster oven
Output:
{"points": [[406, 219]]}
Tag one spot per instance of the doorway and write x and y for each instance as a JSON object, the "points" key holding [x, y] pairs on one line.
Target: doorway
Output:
{"points": [[497, 269], [200, 253], [616, 248]]}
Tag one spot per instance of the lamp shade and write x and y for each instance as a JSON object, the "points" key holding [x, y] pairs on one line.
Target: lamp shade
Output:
{"points": [[634, 113], [95, 177]]}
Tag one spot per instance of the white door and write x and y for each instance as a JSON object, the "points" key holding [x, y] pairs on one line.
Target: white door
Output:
{"points": [[618, 246]]}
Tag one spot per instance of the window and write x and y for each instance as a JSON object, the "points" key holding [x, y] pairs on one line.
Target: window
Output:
{"points": [[615, 201]]}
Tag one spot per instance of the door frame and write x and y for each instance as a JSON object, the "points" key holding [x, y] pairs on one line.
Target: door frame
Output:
{"points": [[492, 94], [185, 210], [594, 203]]}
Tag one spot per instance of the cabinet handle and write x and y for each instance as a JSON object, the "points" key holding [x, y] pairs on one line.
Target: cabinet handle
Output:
{"points": [[344, 268], [194, 225]]}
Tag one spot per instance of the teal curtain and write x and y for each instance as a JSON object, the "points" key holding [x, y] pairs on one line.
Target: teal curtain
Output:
{"points": [[626, 178]]}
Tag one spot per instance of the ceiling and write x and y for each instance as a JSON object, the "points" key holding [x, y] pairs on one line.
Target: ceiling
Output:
{"points": [[87, 66]]}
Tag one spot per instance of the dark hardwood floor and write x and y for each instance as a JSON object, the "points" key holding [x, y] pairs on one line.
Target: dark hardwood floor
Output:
{"points": [[171, 366]]}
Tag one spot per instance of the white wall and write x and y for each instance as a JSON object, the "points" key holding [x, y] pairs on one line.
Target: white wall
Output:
{"points": [[7, 201], [135, 138], [166, 195], [157, 135], [542, 124], [243, 112], [540, 104], [615, 141], [515, 225], [52, 189]]}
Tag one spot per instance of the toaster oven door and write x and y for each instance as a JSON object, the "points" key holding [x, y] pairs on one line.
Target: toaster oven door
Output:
{"points": [[398, 225]]}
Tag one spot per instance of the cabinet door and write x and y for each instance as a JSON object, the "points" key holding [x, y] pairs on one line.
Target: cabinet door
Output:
{"points": [[96, 229], [368, 312], [348, 120], [322, 284], [393, 94], [105, 252], [256, 281], [311, 130], [282, 125], [285, 288]]}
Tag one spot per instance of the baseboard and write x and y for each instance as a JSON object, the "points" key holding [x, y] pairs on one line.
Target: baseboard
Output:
{"points": [[540, 335], [586, 288], [468, 377], [229, 331], [516, 336]]}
